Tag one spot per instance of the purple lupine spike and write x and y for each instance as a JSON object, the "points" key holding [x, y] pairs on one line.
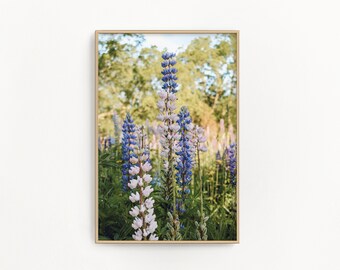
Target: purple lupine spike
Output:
{"points": [[128, 142], [232, 163], [185, 156]]}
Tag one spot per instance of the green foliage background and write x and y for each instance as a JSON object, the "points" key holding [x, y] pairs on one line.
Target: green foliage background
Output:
{"points": [[129, 78]]}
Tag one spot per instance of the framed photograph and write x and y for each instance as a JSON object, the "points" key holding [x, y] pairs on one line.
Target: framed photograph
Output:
{"points": [[167, 137]]}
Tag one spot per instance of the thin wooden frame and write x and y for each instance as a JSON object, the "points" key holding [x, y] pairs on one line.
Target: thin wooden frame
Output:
{"points": [[237, 32]]}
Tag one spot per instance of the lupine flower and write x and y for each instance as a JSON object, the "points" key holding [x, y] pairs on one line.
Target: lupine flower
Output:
{"points": [[128, 144], [134, 211], [198, 139], [144, 221], [134, 197], [149, 203], [185, 155], [232, 163], [169, 127], [147, 178], [169, 137], [133, 183], [137, 223], [153, 237], [138, 235], [147, 191], [134, 170], [146, 167]]}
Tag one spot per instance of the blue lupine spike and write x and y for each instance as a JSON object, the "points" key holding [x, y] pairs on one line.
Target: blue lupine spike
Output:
{"points": [[166, 56], [185, 163], [232, 163], [128, 139], [168, 72], [174, 85], [165, 64], [172, 62]]}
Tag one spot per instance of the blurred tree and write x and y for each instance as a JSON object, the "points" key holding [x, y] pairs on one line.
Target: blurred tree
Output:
{"points": [[129, 78]]}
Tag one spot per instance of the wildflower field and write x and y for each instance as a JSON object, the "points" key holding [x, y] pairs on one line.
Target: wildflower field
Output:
{"points": [[167, 137]]}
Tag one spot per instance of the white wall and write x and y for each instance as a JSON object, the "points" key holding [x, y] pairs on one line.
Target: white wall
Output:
{"points": [[290, 133]]}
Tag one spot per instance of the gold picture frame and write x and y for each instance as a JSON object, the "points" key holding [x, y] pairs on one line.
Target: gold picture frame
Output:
{"points": [[237, 32]]}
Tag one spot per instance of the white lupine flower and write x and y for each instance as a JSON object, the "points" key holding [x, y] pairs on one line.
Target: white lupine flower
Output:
{"points": [[202, 139], [137, 223], [134, 211], [140, 181], [172, 97], [153, 226], [149, 218], [147, 191], [138, 235], [172, 107], [160, 117], [177, 148], [144, 219], [145, 233], [133, 183], [149, 204], [161, 104], [134, 197], [177, 136], [133, 160], [173, 117], [147, 178], [174, 127], [134, 170], [146, 167], [151, 211], [198, 139], [153, 237], [162, 94], [144, 157]]}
